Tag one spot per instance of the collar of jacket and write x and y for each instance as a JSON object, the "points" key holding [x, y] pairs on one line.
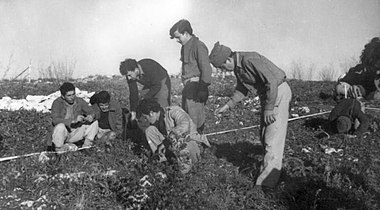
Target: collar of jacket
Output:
{"points": [[188, 45]]}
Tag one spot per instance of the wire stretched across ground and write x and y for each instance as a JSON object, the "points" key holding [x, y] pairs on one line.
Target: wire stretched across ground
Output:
{"points": [[209, 134]]}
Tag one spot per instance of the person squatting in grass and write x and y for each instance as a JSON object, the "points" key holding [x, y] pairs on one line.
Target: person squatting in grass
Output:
{"points": [[73, 119], [196, 72], [362, 81], [258, 75], [343, 116], [172, 133], [109, 116]]}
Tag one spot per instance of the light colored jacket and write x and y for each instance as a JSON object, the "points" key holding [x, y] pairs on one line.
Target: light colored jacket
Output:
{"points": [[179, 122]]}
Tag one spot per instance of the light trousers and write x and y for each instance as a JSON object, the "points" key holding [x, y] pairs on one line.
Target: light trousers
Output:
{"points": [[61, 135], [273, 138]]}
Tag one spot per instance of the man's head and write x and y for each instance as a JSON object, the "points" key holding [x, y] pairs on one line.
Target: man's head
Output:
{"points": [[103, 100], [221, 57], [130, 68], [371, 53], [150, 109], [181, 31], [343, 124], [68, 92]]}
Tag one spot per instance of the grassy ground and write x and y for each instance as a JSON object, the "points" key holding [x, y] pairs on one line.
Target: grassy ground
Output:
{"points": [[117, 178]]}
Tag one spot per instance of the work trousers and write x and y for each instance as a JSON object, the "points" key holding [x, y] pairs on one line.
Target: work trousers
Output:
{"points": [[273, 138], [194, 108], [61, 134]]}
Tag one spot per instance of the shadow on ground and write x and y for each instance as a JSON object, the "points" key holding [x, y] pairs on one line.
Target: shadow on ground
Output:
{"points": [[245, 155], [306, 193]]}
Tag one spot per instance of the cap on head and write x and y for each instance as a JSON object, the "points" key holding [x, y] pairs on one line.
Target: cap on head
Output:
{"points": [[343, 124], [219, 55]]}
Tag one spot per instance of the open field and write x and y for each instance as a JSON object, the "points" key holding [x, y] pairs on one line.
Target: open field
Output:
{"points": [[119, 178]]}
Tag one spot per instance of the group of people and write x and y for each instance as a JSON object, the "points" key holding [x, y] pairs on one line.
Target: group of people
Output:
{"points": [[353, 89], [176, 133]]}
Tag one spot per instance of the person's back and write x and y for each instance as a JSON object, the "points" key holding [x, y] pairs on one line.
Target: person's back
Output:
{"points": [[344, 114]]}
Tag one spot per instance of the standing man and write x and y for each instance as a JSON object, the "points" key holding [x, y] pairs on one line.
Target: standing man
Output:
{"points": [[196, 72], [154, 78], [73, 119], [256, 74]]}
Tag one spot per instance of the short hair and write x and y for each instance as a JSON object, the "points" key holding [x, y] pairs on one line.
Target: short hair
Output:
{"points": [[182, 26], [147, 105], [66, 87], [127, 65], [371, 52], [103, 97]]}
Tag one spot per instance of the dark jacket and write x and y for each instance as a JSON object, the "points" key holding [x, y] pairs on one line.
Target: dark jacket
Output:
{"points": [[257, 74], [361, 75], [350, 108], [114, 116], [153, 74]]}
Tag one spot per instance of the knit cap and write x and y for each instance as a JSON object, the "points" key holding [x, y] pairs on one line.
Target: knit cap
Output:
{"points": [[219, 55], [343, 124]]}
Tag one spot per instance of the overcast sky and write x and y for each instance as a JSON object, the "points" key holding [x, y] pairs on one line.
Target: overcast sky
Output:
{"points": [[98, 34]]}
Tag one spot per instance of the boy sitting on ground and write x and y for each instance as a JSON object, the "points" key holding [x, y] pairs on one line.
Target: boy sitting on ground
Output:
{"points": [[108, 113], [73, 120]]}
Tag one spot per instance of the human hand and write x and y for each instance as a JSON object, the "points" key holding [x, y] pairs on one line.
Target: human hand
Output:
{"points": [[221, 109], [355, 92], [269, 117], [133, 115], [80, 118], [89, 118]]}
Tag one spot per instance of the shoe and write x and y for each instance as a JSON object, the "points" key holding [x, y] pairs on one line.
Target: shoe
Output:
{"points": [[66, 148], [87, 143]]}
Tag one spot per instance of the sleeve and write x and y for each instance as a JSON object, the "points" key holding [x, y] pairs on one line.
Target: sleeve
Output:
{"points": [[155, 86], [204, 64], [133, 95], [264, 73], [181, 120], [240, 92], [96, 110], [119, 122], [56, 118], [86, 108]]}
